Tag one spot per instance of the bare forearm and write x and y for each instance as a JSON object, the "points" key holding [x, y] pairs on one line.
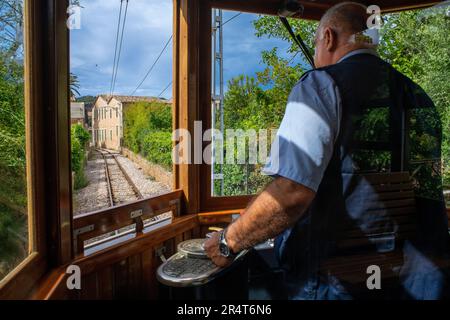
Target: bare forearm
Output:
{"points": [[277, 208]]}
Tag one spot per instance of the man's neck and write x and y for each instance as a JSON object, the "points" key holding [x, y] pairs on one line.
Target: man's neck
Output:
{"points": [[345, 50]]}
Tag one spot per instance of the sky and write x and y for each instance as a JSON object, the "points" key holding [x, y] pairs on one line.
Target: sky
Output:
{"points": [[147, 30]]}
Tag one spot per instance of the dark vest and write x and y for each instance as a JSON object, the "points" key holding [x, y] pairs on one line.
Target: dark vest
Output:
{"points": [[385, 117]]}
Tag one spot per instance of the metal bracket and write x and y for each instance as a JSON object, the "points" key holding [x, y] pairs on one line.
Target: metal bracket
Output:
{"points": [[85, 229], [159, 252], [136, 213], [176, 202]]}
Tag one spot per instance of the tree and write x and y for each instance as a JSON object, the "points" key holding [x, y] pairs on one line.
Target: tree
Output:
{"points": [[74, 85], [11, 28], [417, 44]]}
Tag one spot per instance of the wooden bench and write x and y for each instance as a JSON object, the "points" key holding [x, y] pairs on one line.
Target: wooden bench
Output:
{"points": [[391, 203]]}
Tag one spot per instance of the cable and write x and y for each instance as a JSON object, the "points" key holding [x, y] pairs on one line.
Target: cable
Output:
{"points": [[159, 96], [153, 65], [160, 54], [293, 57], [115, 49], [120, 47], [233, 17]]}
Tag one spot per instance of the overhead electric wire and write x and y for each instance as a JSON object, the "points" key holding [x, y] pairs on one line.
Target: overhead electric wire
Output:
{"points": [[153, 65], [162, 92], [115, 49], [233, 17], [160, 54], [293, 57], [120, 46]]}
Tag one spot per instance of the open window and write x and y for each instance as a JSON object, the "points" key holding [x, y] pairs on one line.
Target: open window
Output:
{"points": [[16, 226], [121, 113]]}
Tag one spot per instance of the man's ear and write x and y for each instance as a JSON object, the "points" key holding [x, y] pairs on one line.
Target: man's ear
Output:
{"points": [[330, 38]]}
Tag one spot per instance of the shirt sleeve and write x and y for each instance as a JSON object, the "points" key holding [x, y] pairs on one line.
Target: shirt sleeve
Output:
{"points": [[304, 143]]}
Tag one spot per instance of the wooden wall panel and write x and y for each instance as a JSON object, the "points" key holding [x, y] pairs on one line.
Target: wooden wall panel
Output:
{"points": [[105, 281], [89, 287], [147, 274], [127, 270], [135, 277]]}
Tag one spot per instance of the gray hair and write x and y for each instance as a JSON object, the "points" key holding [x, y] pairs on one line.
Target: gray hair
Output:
{"points": [[346, 17]]}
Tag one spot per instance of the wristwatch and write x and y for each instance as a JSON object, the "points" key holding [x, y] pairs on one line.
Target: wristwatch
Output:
{"points": [[225, 250]]}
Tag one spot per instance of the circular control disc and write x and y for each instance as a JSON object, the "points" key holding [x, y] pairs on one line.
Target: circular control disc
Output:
{"points": [[193, 248]]}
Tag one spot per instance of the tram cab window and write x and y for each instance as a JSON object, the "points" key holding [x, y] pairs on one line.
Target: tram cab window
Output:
{"points": [[16, 242], [254, 68], [121, 144], [252, 74]]}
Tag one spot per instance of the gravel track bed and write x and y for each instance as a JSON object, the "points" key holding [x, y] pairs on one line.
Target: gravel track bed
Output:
{"points": [[95, 195], [122, 191], [145, 184]]}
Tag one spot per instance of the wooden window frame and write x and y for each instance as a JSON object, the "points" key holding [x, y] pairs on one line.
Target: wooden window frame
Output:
{"points": [[47, 111]]}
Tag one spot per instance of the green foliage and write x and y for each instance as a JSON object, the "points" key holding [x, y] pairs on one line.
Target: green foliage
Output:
{"points": [[417, 43], [157, 147], [13, 239], [13, 191], [260, 103], [12, 114], [148, 131], [79, 139], [86, 99], [74, 85], [80, 134]]}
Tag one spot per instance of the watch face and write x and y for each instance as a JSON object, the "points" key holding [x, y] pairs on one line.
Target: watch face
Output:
{"points": [[224, 250]]}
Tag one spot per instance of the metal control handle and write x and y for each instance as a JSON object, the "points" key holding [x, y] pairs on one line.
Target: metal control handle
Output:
{"points": [[214, 229]]}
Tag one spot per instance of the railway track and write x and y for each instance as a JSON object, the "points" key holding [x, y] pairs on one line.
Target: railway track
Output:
{"points": [[121, 189]]}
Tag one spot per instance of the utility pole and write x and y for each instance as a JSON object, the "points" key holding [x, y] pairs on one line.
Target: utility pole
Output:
{"points": [[217, 95]]}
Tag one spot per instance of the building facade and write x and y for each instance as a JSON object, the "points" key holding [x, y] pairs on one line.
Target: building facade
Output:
{"points": [[107, 119], [77, 113]]}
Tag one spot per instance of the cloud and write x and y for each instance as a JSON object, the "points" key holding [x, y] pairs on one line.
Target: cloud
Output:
{"points": [[148, 27]]}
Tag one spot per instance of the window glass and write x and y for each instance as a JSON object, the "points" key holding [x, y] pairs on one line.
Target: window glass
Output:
{"points": [[423, 56], [14, 235], [253, 72], [255, 65]]}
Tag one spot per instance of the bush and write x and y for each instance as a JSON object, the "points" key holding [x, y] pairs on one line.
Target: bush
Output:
{"points": [[148, 131], [79, 140], [157, 148]]}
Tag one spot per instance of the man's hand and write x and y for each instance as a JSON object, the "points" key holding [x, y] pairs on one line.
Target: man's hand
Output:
{"points": [[212, 250]]}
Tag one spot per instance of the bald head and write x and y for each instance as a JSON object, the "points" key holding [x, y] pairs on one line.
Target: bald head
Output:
{"points": [[346, 17], [337, 28]]}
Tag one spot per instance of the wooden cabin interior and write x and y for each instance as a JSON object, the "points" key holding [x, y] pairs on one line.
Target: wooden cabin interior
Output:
{"points": [[124, 266]]}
